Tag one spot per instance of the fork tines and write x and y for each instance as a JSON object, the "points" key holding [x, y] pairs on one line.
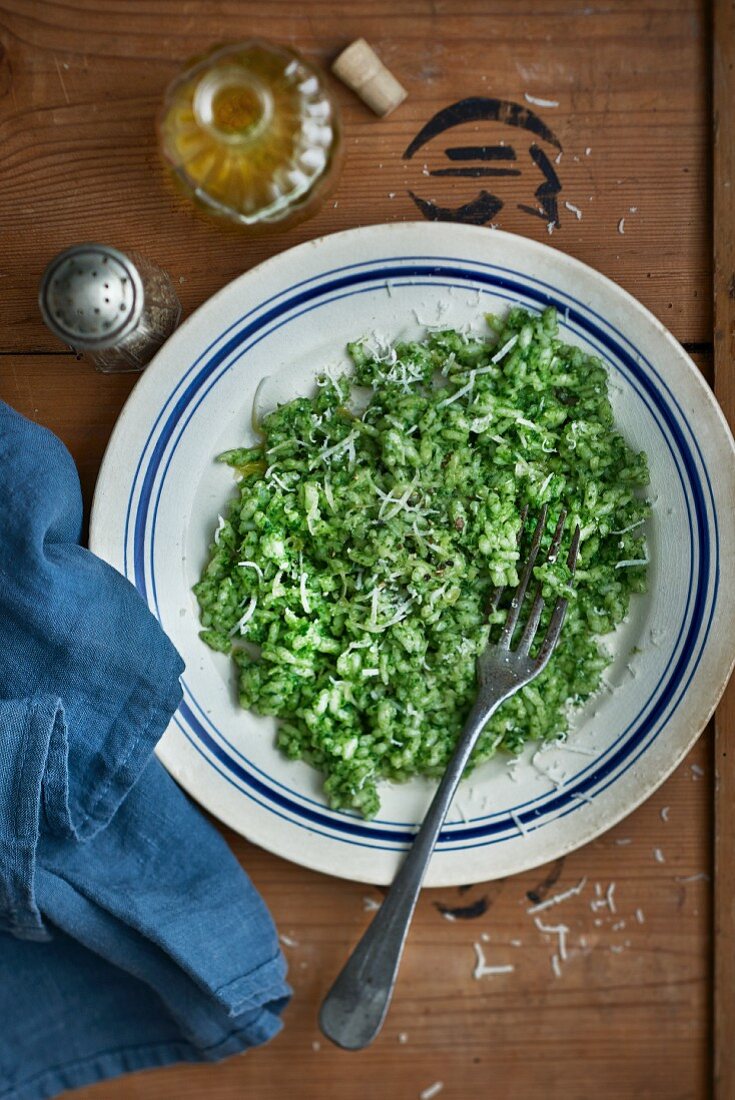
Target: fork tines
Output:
{"points": [[537, 607]]}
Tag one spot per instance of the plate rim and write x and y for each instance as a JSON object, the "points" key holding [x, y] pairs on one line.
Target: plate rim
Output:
{"points": [[588, 827]]}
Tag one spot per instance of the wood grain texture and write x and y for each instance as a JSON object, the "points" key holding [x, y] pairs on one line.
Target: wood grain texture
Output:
{"points": [[80, 82], [83, 81], [629, 1018], [724, 343]]}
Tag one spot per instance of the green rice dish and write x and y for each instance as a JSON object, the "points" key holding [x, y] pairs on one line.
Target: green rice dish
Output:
{"points": [[351, 578]]}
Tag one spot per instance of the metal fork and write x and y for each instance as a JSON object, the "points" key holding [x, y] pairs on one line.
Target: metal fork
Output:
{"points": [[353, 1011]]}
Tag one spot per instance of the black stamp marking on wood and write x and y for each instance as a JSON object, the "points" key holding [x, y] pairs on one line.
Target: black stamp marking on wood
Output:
{"points": [[476, 172], [483, 207], [479, 211], [464, 912], [539, 893], [481, 152]]}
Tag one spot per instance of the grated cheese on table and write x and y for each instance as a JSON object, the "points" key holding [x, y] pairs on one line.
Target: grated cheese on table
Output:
{"points": [[536, 102], [432, 1091], [573, 891], [482, 969], [610, 898], [559, 930]]}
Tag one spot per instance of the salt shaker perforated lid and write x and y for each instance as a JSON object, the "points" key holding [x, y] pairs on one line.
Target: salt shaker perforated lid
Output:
{"points": [[114, 307], [91, 296]]}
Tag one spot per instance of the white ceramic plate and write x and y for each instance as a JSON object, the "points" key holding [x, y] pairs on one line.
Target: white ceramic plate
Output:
{"points": [[159, 493]]}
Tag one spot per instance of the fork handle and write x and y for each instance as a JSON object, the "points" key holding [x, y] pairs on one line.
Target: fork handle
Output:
{"points": [[353, 1010]]}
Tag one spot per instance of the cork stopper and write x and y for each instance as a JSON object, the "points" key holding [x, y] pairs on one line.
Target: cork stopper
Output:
{"points": [[360, 68]]}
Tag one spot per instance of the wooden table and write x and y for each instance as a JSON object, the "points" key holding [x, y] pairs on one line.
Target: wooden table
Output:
{"points": [[80, 82]]}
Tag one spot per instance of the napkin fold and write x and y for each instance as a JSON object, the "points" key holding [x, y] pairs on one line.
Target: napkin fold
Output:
{"points": [[129, 935]]}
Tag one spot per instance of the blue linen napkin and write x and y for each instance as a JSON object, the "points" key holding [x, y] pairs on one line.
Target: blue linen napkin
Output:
{"points": [[129, 935]]}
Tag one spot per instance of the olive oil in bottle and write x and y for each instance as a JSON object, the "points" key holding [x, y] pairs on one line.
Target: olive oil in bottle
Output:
{"points": [[252, 134]]}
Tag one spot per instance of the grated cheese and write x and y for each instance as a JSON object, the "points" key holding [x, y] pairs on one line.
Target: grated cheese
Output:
{"points": [[558, 783], [573, 891], [343, 445], [518, 823], [574, 210], [460, 392], [536, 102], [288, 941], [251, 565], [610, 899], [658, 855], [639, 916], [370, 905], [555, 965], [279, 483], [431, 1091], [559, 930], [621, 226], [482, 970], [574, 748], [221, 523], [631, 527], [328, 494], [303, 595], [511, 343], [246, 617]]}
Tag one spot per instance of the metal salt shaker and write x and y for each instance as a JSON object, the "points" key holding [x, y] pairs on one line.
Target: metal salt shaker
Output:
{"points": [[115, 308]]}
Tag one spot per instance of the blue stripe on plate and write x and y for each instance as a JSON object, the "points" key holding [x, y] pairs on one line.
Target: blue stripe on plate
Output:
{"points": [[537, 803], [515, 285]]}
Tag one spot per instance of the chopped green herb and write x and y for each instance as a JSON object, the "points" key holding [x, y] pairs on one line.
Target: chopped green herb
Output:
{"points": [[352, 575]]}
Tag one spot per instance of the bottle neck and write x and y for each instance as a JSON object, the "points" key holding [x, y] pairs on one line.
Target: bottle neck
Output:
{"points": [[233, 106]]}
